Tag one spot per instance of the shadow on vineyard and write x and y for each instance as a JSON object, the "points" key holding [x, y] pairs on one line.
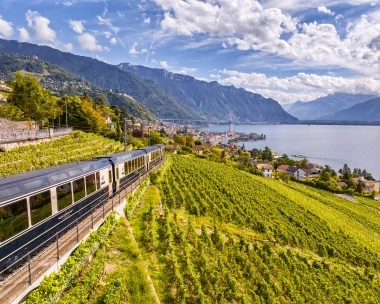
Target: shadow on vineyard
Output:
{"points": [[208, 233]]}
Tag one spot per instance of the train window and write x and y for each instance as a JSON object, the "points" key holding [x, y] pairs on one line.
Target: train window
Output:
{"points": [[58, 177], [98, 184], [75, 172], [40, 206], [117, 173], [78, 189], [126, 168], [10, 191], [90, 183], [35, 184], [109, 176], [64, 198], [13, 219]]}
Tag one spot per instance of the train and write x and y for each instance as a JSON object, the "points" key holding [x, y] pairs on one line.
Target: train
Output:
{"points": [[36, 206]]}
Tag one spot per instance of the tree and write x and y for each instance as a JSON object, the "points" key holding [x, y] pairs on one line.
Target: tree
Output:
{"points": [[359, 187], [189, 139], [197, 142], [179, 139], [11, 112], [267, 154], [27, 94], [155, 138]]}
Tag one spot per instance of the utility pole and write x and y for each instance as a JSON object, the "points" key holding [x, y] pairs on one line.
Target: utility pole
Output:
{"points": [[125, 134], [66, 110], [149, 136]]}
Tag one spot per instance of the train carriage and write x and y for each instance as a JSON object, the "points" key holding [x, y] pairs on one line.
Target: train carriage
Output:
{"points": [[36, 205]]}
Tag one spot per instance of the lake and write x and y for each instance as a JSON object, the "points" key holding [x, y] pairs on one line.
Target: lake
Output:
{"points": [[333, 145]]}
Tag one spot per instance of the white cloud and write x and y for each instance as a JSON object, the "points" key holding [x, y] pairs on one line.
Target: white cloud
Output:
{"points": [[304, 87], [338, 17], [68, 47], [184, 70], [147, 20], [113, 40], [24, 35], [324, 9], [248, 25], [68, 3], [153, 61], [165, 64], [6, 28], [87, 42], [40, 25], [216, 76], [77, 26], [133, 51]]}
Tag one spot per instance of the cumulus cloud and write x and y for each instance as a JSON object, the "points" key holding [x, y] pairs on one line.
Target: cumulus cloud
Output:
{"points": [[87, 42], [147, 20], [165, 64], [248, 25], [113, 40], [24, 34], [304, 87], [40, 25], [324, 9], [134, 52], [6, 28], [77, 26]]}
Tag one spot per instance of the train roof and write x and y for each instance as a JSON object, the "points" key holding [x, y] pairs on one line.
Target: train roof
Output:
{"points": [[153, 148], [17, 185], [122, 157]]}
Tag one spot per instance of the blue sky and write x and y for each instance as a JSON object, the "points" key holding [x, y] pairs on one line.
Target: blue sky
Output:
{"points": [[288, 50]]}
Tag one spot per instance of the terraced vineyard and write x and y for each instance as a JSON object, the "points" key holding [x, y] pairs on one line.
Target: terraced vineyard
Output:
{"points": [[208, 233], [74, 147], [230, 237]]}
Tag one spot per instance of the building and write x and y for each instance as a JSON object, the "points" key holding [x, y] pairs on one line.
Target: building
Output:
{"points": [[267, 169]]}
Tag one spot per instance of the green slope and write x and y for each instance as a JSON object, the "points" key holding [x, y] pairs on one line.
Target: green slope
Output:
{"points": [[73, 147], [61, 82], [229, 237]]}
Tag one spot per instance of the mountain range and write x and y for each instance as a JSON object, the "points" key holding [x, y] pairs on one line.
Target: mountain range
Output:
{"points": [[365, 111], [325, 106], [213, 99], [188, 98], [60, 82]]}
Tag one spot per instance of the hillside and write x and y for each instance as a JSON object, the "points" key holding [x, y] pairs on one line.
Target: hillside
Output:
{"points": [[60, 82], [326, 105], [225, 236], [106, 76], [213, 99], [74, 147], [366, 111]]}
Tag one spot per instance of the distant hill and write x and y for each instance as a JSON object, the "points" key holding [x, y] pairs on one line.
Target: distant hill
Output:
{"points": [[60, 82], [106, 76], [365, 111], [213, 99], [327, 105]]}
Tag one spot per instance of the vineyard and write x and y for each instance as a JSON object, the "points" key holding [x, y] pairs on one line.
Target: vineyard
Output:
{"points": [[229, 237], [209, 233], [74, 147]]}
